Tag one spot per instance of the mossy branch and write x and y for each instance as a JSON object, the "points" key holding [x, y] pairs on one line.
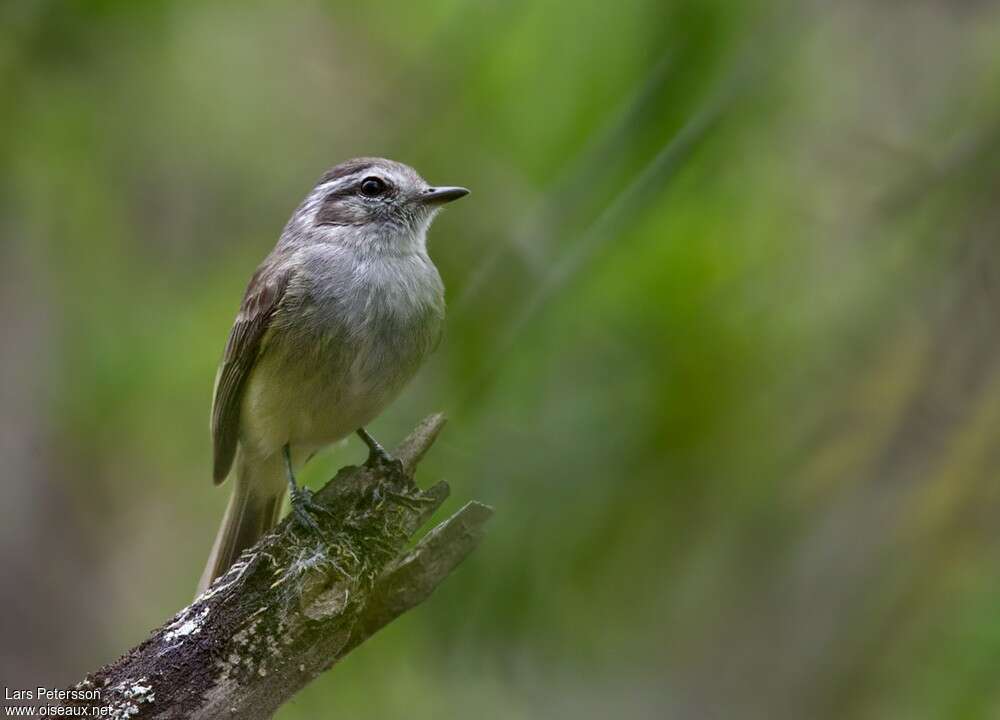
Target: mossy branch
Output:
{"points": [[296, 603]]}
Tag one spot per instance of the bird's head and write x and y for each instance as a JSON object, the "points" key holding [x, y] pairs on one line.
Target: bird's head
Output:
{"points": [[374, 204]]}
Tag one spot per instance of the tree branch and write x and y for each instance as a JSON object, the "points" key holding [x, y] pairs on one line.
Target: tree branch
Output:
{"points": [[296, 603]]}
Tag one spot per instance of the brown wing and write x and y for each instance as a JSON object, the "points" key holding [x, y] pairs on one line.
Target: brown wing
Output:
{"points": [[262, 298]]}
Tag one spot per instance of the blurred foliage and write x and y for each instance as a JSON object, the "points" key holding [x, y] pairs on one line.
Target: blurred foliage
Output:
{"points": [[722, 341]]}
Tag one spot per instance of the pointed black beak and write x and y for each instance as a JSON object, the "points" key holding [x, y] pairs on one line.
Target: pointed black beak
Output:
{"points": [[442, 195]]}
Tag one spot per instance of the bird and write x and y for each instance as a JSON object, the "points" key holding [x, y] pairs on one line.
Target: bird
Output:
{"points": [[334, 323]]}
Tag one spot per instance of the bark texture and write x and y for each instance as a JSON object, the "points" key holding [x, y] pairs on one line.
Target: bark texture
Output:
{"points": [[297, 602]]}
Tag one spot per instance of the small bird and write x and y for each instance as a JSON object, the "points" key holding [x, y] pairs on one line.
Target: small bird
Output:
{"points": [[333, 324]]}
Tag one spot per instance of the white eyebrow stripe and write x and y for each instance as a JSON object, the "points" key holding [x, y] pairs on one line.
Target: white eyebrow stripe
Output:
{"points": [[345, 181], [338, 184]]}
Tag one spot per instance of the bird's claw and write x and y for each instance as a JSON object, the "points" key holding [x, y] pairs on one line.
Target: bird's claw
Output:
{"points": [[385, 464], [305, 508], [382, 462]]}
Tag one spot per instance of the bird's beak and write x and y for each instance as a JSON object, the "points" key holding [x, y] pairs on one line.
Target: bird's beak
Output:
{"points": [[441, 195]]}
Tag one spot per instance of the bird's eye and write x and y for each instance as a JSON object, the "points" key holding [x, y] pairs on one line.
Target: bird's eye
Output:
{"points": [[372, 187]]}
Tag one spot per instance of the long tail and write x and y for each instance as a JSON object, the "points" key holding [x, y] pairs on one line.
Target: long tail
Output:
{"points": [[253, 510]]}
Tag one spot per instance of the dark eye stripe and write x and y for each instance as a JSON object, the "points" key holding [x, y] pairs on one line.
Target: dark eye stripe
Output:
{"points": [[337, 194]]}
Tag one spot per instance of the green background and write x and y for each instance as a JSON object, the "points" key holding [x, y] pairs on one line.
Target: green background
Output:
{"points": [[721, 349]]}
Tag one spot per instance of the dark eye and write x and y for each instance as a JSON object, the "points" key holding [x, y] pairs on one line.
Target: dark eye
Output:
{"points": [[372, 187]]}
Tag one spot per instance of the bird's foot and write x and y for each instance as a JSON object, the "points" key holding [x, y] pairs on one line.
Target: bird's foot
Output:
{"points": [[382, 462], [305, 509], [387, 465]]}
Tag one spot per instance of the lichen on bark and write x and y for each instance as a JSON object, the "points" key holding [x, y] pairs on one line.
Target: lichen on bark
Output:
{"points": [[298, 601]]}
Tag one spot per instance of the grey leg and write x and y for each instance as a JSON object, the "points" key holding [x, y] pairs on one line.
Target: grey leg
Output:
{"points": [[303, 505], [378, 456]]}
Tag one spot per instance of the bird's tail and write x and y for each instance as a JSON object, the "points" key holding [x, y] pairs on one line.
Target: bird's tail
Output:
{"points": [[253, 510]]}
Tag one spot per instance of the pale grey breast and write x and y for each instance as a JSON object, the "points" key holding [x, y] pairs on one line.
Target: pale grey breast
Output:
{"points": [[354, 332]]}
